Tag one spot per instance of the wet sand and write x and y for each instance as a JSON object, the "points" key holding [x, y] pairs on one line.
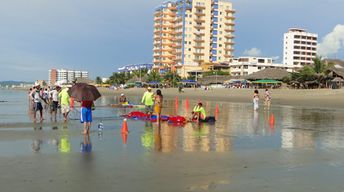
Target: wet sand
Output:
{"points": [[315, 98]]}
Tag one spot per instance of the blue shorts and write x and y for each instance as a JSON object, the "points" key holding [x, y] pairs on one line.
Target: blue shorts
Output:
{"points": [[86, 115]]}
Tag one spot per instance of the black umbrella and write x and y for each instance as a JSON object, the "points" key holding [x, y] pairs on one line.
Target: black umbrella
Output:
{"points": [[84, 92]]}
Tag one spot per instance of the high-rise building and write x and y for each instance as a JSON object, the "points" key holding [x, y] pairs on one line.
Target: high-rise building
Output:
{"points": [[52, 76], [61, 76], [192, 32], [300, 47]]}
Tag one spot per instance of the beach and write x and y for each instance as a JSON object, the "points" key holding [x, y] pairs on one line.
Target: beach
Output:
{"points": [[288, 147], [313, 98]]}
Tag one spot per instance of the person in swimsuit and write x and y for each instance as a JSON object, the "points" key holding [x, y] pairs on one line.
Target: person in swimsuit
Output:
{"points": [[158, 98]]}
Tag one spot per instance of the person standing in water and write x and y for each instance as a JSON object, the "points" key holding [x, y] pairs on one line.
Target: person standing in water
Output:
{"points": [[267, 99], [158, 99], [64, 98], [37, 99], [147, 100], [256, 100], [54, 102], [86, 115]]}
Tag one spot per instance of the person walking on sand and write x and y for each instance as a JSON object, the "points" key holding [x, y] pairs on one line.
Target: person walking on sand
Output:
{"points": [[256, 100], [86, 115], [267, 99], [64, 101], [147, 100], [158, 99]]}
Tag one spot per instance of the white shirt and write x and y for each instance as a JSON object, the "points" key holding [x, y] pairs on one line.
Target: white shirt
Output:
{"points": [[54, 95]]}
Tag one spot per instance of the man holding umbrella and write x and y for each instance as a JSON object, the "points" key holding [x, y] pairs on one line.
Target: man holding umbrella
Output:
{"points": [[85, 94]]}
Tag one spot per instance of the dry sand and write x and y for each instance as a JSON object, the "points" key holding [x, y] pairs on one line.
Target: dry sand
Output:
{"points": [[315, 98]]}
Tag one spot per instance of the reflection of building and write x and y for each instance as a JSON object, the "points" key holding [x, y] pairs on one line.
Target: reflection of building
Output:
{"points": [[62, 76], [300, 47], [193, 32], [297, 138]]}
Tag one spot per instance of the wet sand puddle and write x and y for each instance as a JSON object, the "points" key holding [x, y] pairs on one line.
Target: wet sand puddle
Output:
{"points": [[280, 149]]}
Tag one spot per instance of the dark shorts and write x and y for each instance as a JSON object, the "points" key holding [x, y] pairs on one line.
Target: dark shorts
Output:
{"points": [[38, 107], [54, 106], [149, 108]]}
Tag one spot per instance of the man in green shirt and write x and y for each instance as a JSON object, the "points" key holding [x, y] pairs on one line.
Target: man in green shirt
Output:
{"points": [[198, 113], [64, 100], [148, 100]]}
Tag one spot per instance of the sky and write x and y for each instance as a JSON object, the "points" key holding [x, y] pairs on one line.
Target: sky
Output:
{"points": [[99, 37]]}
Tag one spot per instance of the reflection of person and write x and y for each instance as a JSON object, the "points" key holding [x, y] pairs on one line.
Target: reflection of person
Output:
{"points": [[64, 97], [123, 100], [86, 115], [157, 138], [158, 99], [267, 98], [86, 145], [147, 100], [198, 113], [255, 100], [36, 145]]}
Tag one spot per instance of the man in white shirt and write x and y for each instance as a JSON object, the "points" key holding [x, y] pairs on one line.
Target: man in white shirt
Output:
{"points": [[54, 102]]}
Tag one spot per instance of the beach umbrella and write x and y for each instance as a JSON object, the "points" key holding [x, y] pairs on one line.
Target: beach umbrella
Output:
{"points": [[84, 92]]}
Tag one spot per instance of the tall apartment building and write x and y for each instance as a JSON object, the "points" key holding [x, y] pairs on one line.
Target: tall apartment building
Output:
{"points": [[60, 76], [191, 32], [300, 47]]}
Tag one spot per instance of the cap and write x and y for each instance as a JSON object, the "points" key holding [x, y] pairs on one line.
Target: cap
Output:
{"points": [[149, 88], [122, 94]]}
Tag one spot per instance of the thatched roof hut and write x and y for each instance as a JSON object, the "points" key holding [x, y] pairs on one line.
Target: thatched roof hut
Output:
{"points": [[270, 73], [214, 79]]}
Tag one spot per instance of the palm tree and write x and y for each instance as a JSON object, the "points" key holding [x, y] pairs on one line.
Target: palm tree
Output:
{"points": [[153, 76], [321, 70], [172, 78], [99, 80]]}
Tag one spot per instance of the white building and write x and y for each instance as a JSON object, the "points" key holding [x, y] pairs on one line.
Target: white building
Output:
{"points": [[63, 76], [243, 66], [300, 47]]}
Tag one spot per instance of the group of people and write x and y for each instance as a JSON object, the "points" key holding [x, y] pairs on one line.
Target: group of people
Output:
{"points": [[50, 99], [54, 99], [267, 99], [153, 104]]}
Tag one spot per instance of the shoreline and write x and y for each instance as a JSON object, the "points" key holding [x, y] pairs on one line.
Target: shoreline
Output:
{"points": [[311, 98]]}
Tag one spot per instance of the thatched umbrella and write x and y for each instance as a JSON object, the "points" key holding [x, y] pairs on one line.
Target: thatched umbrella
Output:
{"points": [[337, 80], [270, 73]]}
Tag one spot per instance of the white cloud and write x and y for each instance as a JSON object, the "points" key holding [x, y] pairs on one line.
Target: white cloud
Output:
{"points": [[332, 42], [252, 52]]}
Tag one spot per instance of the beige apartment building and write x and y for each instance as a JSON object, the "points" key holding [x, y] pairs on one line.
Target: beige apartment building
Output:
{"points": [[192, 32]]}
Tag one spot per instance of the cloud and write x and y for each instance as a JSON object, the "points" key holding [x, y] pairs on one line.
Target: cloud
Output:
{"points": [[332, 42], [252, 52]]}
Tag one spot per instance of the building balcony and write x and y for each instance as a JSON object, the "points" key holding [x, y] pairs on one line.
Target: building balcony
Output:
{"points": [[200, 7], [200, 14], [168, 26], [172, 14], [201, 33], [199, 20], [200, 54], [229, 36], [199, 40], [228, 56], [157, 38], [157, 14], [229, 49], [230, 30], [229, 43], [199, 26], [157, 32], [173, 8], [229, 23], [157, 19], [230, 11], [198, 60], [170, 38], [230, 17], [198, 47]]}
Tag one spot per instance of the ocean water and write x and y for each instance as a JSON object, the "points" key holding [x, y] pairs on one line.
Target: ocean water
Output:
{"points": [[281, 149]]}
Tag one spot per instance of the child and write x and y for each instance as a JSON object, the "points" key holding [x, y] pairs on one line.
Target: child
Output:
{"points": [[255, 100]]}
